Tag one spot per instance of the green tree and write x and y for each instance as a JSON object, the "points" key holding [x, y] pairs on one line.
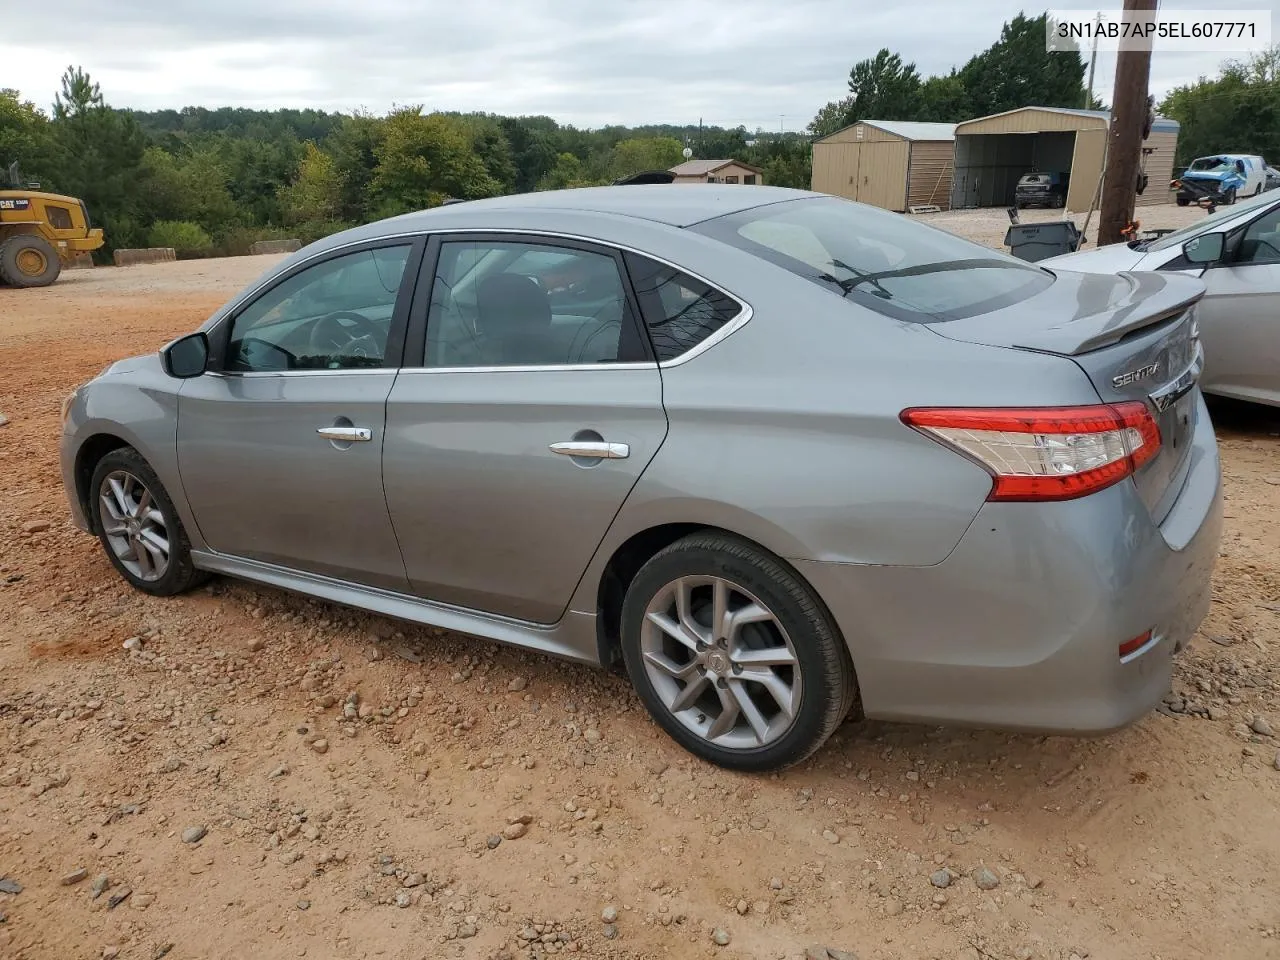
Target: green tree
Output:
{"points": [[943, 99], [883, 87], [568, 171], [24, 135], [316, 192], [834, 116], [80, 95], [1018, 71], [1237, 111], [99, 157], [638, 154], [424, 160], [880, 88], [354, 146], [187, 239]]}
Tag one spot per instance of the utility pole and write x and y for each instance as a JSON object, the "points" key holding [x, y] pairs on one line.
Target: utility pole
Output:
{"points": [[1124, 134], [1093, 62]]}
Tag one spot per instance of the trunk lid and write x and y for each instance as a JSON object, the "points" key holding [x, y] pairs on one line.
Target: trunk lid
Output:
{"points": [[1134, 336]]}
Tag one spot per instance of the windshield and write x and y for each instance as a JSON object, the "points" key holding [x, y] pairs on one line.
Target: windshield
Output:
{"points": [[879, 259], [1211, 165], [1212, 220]]}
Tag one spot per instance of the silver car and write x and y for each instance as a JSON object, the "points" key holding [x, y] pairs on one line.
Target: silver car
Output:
{"points": [[779, 458], [1236, 254]]}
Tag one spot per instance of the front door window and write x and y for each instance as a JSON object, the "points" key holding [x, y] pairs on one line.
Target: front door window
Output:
{"points": [[334, 315]]}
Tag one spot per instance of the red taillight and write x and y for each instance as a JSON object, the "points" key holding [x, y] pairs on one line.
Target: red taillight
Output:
{"points": [[1137, 643], [1046, 453]]}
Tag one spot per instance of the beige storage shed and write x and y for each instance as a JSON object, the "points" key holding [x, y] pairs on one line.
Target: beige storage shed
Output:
{"points": [[895, 164], [992, 153]]}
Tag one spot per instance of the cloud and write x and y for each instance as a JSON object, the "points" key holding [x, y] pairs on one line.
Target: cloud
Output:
{"points": [[753, 62]]}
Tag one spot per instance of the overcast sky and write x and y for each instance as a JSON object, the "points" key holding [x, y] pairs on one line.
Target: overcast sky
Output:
{"points": [[766, 63]]}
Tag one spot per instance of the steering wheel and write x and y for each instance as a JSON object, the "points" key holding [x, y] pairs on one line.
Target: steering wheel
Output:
{"points": [[345, 334]]}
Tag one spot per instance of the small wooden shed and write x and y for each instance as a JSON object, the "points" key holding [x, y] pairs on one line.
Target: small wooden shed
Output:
{"points": [[991, 153], [895, 164]]}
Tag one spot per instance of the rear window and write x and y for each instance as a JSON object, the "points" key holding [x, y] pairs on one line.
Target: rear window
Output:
{"points": [[881, 260]]}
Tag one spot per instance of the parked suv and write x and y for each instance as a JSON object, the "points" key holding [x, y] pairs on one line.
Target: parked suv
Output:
{"points": [[1045, 189]]}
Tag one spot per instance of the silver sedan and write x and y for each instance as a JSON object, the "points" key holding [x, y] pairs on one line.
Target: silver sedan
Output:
{"points": [[1235, 252], [779, 458]]}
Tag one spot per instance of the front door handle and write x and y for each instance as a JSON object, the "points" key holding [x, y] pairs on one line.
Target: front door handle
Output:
{"points": [[592, 449], [345, 434]]}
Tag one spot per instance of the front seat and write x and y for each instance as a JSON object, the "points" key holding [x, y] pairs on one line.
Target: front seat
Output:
{"points": [[513, 320]]}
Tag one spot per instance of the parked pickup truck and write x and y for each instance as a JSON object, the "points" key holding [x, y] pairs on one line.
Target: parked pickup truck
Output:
{"points": [[1221, 178]]}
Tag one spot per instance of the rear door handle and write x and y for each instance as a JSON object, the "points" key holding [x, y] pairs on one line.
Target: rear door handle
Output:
{"points": [[345, 434], [592, 449]]}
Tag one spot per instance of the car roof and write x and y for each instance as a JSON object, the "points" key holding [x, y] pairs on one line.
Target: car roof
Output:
{"points": [[678, 205]]}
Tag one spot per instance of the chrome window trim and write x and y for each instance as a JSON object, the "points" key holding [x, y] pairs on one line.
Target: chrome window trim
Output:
{"points": [[745, 311], [341, 371]]}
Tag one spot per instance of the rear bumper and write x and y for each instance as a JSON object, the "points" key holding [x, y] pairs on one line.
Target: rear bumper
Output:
{"points": [[87, 244], [1020, 627]]}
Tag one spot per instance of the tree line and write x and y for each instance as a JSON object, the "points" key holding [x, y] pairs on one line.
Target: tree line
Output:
{"points": [[212, 181]]}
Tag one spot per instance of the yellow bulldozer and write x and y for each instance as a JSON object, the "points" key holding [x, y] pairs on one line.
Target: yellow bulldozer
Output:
{"points": [[40, 233]]}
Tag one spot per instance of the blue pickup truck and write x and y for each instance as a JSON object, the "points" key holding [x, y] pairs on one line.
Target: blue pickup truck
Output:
{"points": [[1221, 178]]}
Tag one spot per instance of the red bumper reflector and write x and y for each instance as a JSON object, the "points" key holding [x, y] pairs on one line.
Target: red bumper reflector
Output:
{"points": [[1137, 643]]}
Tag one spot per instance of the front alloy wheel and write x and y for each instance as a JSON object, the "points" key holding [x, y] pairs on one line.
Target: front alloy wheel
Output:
{"points": [[139, 528], [134, 526]]}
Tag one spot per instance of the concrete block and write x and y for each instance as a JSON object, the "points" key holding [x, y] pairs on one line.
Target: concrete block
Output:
{"points": [[274, 246], [127, 258]]}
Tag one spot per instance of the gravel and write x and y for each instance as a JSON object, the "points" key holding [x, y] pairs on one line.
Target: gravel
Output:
{"points": [[985, 878], [609, 914], [493, 841], [74, 877], [194, 834], [119, 897], [610, 931], [9, 885], [941, 878], [1261, 727], [517, 684], [100, 885], [514, 831], [720, 937]]}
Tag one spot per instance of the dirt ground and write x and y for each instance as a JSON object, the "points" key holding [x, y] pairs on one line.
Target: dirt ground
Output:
{"points": [[242, 773]]}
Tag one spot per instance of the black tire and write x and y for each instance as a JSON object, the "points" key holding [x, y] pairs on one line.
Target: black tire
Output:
{"points": [[180, 574], [1182, 201], [1228, 198], [829, 689], [26, 248]]}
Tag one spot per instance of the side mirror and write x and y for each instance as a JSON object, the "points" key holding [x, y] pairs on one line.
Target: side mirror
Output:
{"points": [[1206, 248], [187, 356]]}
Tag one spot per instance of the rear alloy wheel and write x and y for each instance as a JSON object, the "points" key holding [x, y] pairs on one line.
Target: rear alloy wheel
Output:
{"points": [[138, 526], [733, 655], [28, 261]]}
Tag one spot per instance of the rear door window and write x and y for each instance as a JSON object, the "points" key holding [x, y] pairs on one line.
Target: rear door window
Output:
{"points": [[680, 312]]}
